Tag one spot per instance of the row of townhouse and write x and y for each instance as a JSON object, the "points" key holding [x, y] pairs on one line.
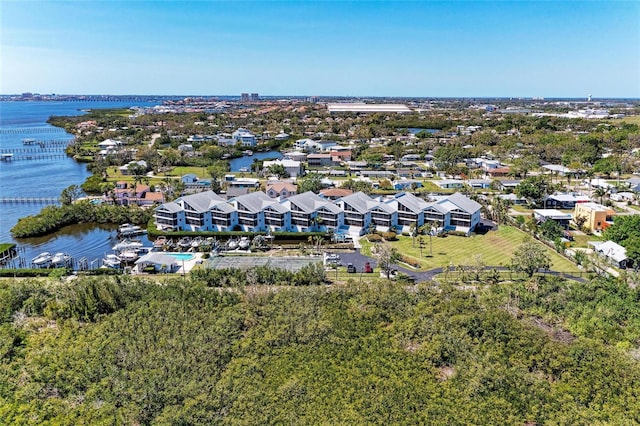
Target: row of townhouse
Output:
{"points": [[354, 214]]}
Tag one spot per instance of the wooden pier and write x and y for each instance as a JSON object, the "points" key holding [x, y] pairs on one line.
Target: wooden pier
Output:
{"points": [[29, 200], [37, 157], [31, 131]]}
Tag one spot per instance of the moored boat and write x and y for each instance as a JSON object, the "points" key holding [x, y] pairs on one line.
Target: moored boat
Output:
{"points": [[160, 242], [128, 256], [43, 259], [232, 244], [197, 242], [127, 245], [111, 261], [127, 229], [184, 243], [60, 259], [244, 243]]}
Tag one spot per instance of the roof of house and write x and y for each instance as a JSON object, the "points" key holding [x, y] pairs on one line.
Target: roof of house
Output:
{"points": [[611, 250], [279, 186], [336, 192], [202, 201], [257, 201], [310, 202], [157, 258], [595, 207], [171, 207], [362, 203], [464, 203], [153, 196], [410, 201]]}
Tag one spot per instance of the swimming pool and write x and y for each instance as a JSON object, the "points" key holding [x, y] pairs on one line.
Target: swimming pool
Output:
{"points": [[181, 256]]}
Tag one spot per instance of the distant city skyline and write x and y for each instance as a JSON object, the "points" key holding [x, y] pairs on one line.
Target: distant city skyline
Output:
{"points": [[552, 49]]}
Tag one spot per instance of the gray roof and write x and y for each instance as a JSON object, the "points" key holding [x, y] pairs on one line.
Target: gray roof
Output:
{"points": [[362, 203], [464, 203], [410, 201], [612, 250], [202, 201], [258, 201], [310, 202], [171, 207], [157, 259]]}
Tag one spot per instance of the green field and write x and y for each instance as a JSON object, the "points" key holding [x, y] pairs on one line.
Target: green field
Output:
{"points": [[495, 247]]}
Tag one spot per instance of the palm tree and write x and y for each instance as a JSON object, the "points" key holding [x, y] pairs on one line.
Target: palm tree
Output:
{"points": [[600, 192]]}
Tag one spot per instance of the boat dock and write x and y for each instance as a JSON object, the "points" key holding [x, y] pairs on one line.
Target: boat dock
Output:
{"points": [[31, 130], [29, 200]]}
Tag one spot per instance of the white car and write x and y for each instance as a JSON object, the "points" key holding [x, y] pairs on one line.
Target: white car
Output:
{"points": [[332, 256]]}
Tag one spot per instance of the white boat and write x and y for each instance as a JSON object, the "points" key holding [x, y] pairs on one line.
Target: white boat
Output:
{"points": [[160, 241], [111, 261], [244, 243], [128, 256], [127, 245], [60, 259], [232, 244], [184, 243], [128, 229], [243, 169], [248, 152], [197, 242], [43, 259]]}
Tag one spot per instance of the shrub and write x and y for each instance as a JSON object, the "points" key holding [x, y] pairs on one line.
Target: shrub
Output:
{"points": [[410, 261], [390, 236], [374, 238]]}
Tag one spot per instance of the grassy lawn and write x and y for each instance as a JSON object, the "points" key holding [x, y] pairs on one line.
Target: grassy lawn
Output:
{"points": [[581, 240], [496, 248], [632, 119], [521, 209]]}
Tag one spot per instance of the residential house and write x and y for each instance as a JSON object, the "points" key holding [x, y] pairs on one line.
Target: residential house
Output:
{"points": [[597, 216], [360, 211], [634, 184], [244, 137], [498, 172], [292, 167], [340, 156], [614, 253], [251, 212], [281, 190], [449, 183], [127, 168], [410, 208], [310, 212], [562, 200], [335, 193], [542, 215], [319, 160]]}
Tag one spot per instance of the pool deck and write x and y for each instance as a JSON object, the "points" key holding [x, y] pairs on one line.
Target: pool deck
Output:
{"points": [[188, 264]]}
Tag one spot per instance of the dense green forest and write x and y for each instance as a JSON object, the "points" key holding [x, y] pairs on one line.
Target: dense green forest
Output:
{"points": [[122, 350]]}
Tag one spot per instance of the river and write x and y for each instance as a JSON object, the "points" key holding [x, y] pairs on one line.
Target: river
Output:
{"points": [[45, 172], [239, 164]]}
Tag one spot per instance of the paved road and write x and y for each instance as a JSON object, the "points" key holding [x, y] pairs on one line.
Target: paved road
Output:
{"points": [[358, 260]]}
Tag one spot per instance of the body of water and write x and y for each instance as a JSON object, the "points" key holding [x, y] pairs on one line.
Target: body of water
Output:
{"points": [[43, 172], [238, 164], [415, 130]]}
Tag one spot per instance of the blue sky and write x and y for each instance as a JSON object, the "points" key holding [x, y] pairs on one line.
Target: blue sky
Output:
{"points": [[418, 48]]}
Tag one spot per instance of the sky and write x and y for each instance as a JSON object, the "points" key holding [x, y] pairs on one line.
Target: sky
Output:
{"points": [[328, 48]]}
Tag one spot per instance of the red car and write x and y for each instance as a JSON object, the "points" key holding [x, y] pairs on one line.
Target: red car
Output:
{"points": [[367, 268]]}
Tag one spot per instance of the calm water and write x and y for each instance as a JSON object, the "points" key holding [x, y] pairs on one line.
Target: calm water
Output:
{"points": [[245, 161], [46, 177]]}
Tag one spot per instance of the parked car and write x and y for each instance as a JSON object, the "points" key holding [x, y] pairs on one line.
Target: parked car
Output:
{"points": [[367, 268], [332, 256], [351, 269]]}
